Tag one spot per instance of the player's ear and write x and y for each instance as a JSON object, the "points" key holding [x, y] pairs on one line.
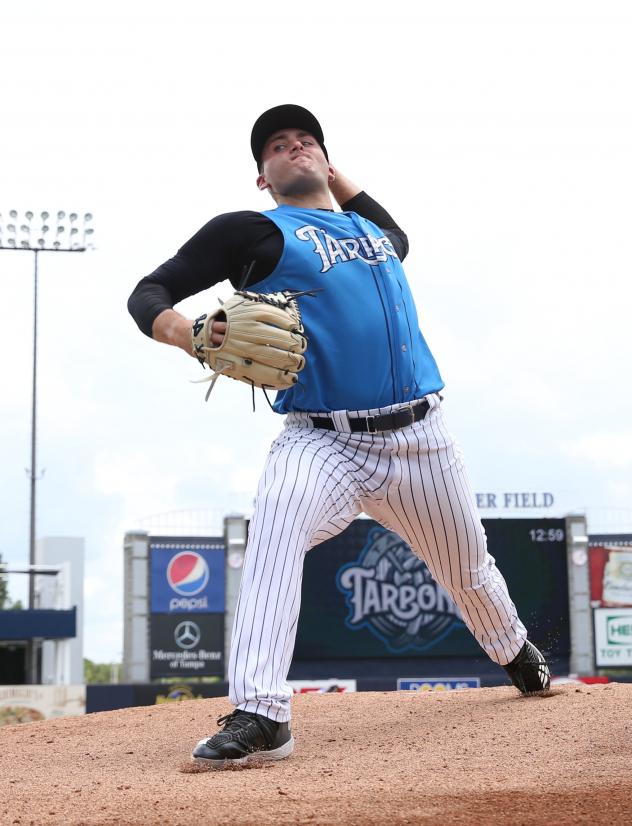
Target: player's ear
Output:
{"points": [[262, 183], [332, 174]]}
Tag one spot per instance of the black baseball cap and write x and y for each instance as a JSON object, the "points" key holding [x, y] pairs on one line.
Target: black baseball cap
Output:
{"points": [[288, 116]]}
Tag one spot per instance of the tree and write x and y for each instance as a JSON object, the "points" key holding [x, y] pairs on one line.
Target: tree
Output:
{"points": [[100, 672], [5, 602]]}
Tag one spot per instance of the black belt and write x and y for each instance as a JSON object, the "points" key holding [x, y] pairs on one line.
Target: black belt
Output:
{"points": [[403, 417]]}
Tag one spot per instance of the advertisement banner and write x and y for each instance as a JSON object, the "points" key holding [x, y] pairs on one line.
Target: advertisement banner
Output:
{"points": [[610, 575], [187, 575], [613, 637], [31, 703], [110, 697], [437, 683], [186, 645], [158, 694], [331, 686], [366, 595]]}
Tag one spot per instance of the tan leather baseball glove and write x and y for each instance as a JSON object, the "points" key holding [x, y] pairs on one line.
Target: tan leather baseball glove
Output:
{"points": [[263, 344]]}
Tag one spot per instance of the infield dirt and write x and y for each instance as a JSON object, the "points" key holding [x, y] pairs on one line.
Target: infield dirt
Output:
{"points": [[477, 756]]}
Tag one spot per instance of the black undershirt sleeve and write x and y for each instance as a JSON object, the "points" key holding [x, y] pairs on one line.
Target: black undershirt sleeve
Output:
{"points": [[365, 206], [225, 248]]}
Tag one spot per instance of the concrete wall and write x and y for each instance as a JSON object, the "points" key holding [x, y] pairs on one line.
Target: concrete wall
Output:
{"points": [[62, 660]]}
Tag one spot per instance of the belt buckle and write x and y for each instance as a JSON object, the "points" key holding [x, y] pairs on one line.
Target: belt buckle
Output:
{"points": [[370, 424], [409, 409]]}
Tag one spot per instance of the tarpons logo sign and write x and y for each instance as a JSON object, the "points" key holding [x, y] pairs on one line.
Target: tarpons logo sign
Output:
{"points": [[390, 592]]}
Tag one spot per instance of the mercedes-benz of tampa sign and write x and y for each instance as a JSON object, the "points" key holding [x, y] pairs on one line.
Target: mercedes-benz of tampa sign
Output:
{"points": [[187, 607]]}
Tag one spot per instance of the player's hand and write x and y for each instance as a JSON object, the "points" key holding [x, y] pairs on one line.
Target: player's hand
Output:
{"points": [[341, 187], [218, 331]]}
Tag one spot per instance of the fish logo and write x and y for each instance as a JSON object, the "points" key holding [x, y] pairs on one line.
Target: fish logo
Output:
{"points": [[390, 592]]}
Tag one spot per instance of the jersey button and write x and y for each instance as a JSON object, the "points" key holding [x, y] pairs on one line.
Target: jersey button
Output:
{"points": [[404, 348], [406, 389], [397, 308]]}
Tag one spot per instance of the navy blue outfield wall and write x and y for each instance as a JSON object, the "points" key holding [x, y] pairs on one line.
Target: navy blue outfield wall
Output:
{"points": [[112, 697]]}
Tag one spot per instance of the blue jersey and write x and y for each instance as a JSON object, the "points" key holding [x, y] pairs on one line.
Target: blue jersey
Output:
{"points": [[365, 348]]}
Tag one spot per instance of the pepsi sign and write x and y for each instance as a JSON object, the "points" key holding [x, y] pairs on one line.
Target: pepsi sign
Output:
{"points": [[187, 573], [187, 576]]}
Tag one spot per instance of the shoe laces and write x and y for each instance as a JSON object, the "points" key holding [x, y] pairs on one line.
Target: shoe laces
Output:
{"points": [[236, 721]]}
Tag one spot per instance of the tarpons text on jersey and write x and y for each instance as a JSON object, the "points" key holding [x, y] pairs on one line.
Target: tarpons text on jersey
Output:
{"points": [[332, 250]]}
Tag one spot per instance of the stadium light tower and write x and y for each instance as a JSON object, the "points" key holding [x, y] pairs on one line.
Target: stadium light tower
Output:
{"points": [[26, 232]]}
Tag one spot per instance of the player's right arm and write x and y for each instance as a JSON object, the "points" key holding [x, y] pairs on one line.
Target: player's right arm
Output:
{"points": [[222, 249]]}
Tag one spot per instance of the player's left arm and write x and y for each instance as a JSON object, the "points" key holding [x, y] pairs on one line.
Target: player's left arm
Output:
{"points": [[351, 198]]}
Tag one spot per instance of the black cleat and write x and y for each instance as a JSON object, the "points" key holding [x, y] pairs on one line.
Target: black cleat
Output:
{"points": [[529, 671], [246, 737]]}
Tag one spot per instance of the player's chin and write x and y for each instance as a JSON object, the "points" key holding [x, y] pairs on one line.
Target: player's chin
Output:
{"points": [[306, 183]]}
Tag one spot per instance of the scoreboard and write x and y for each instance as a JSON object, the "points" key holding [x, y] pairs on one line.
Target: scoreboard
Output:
{"points": [[365, 595]]}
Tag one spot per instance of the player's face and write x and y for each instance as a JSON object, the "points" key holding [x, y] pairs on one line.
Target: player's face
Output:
{"points": [[293, 163]]}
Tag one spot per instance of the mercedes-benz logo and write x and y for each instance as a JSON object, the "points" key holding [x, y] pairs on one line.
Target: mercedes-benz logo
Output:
{"points": [[187, 634]]}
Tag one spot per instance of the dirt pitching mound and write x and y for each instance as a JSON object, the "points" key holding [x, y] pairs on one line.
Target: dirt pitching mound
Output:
{"points": [[465, 757]]}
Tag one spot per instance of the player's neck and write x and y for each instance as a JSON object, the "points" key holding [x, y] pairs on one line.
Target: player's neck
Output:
{"points": [[313, 200]]}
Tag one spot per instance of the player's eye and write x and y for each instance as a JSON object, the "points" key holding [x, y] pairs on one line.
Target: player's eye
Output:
{"points": [[279, 146], [307, 142]]}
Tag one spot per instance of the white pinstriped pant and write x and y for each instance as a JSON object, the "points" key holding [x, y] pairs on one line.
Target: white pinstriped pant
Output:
{"points": [[315, 482]]}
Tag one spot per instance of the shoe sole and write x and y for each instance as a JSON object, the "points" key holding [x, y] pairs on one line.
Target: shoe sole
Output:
{"points": [[255, 757]]}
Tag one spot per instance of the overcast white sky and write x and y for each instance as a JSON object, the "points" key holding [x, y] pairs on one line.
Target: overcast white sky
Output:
{"points": [[498, 134]]}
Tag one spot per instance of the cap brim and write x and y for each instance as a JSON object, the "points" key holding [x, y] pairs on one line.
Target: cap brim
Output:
{"points": [[288, 116]]}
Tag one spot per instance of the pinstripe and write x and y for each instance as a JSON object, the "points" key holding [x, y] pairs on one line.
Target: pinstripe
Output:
{"points": [[454, 590], [254, 549], [479, 610], [278, 537], [289, 635], [314, 484], [240, 612], [460, 595], [432, 563], [327, 439], [428, 457], [291, 510], [446, 498], [468, 516], [501, 596], [281, 544], [355, 473]]}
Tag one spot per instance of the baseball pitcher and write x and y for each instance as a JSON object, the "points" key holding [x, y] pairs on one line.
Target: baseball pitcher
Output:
{"points": [[323, 315]]}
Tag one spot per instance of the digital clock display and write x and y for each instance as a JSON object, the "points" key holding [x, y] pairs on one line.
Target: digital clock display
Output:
{"points": [[547, 534]]}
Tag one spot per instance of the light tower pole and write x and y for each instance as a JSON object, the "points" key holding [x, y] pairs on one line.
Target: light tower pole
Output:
{"points": [[26, 233]]}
